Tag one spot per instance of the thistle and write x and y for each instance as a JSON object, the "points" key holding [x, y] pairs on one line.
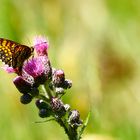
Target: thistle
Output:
{"points": [[38, 81]]}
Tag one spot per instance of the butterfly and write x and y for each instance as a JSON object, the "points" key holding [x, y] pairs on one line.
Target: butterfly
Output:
{"points": [[14, 54]]}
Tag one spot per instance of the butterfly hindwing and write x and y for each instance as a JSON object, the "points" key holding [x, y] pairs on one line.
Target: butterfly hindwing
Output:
{"points": [[20, 54]]}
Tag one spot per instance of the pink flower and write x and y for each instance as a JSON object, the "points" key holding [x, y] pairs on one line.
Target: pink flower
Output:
{"points": [[41, 45], [39, 68]]}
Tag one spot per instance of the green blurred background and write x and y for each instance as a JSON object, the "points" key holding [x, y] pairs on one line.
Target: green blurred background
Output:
{"points": [[97, 44]]}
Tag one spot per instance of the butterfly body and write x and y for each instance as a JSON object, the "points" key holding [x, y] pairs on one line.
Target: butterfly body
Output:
{"points": [[14, 54]]}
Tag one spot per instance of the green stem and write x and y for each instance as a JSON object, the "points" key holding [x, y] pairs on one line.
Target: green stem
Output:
{"points": [[70, 131], [73, 133], [40, 96], [62, 124], [48, 91]]}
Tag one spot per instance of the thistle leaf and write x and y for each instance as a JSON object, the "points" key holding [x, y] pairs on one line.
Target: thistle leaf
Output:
{"points": [[84, 125]]}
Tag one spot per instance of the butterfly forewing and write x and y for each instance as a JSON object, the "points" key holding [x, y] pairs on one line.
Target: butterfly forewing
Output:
{"points": [[14, 54], [6, 50]]}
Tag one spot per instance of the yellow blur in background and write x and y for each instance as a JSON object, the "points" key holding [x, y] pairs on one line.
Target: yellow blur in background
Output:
{"points": [[97, 44]]}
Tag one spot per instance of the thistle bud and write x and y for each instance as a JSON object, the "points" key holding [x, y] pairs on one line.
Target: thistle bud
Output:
{"points": [[74, 118], [67, 84], [41, 104], [58, 78], [25, 98], [58, 107], [43, 113], [22, 85]]}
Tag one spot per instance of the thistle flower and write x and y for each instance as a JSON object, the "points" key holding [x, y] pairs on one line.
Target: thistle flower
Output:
{"points": [[39, 68], [41, 46]]}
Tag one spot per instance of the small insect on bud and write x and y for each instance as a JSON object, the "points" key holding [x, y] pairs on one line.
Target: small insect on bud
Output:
{"points": [[58, 107], [74, 118], [25, 98], [22, 85]]}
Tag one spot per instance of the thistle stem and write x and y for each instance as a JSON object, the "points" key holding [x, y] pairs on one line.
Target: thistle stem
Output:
{"points": [[40, 96], [70, 131], [47, 91]]}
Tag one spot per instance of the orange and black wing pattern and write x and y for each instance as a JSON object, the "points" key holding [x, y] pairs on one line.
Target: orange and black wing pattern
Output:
{"points": [[14, 54]]}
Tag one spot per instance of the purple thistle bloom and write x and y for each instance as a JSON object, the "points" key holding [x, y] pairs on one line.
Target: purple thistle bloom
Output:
{"points": [[34, 67], [27, 77], [39, 68], [41, 46]]}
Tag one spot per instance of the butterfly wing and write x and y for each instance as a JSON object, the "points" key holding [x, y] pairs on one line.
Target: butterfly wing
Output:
{"points": [[6, 50], [20, 54], [14, 54]]}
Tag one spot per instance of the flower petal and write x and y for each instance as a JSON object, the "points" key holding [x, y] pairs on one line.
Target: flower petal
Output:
{"points": [[41, 45]]}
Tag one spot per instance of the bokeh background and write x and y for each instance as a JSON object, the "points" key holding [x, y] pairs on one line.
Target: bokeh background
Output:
{"points": [[97, 44]]}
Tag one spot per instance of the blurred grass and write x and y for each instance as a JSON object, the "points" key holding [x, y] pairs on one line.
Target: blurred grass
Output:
{"points": [[96, 43]]}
